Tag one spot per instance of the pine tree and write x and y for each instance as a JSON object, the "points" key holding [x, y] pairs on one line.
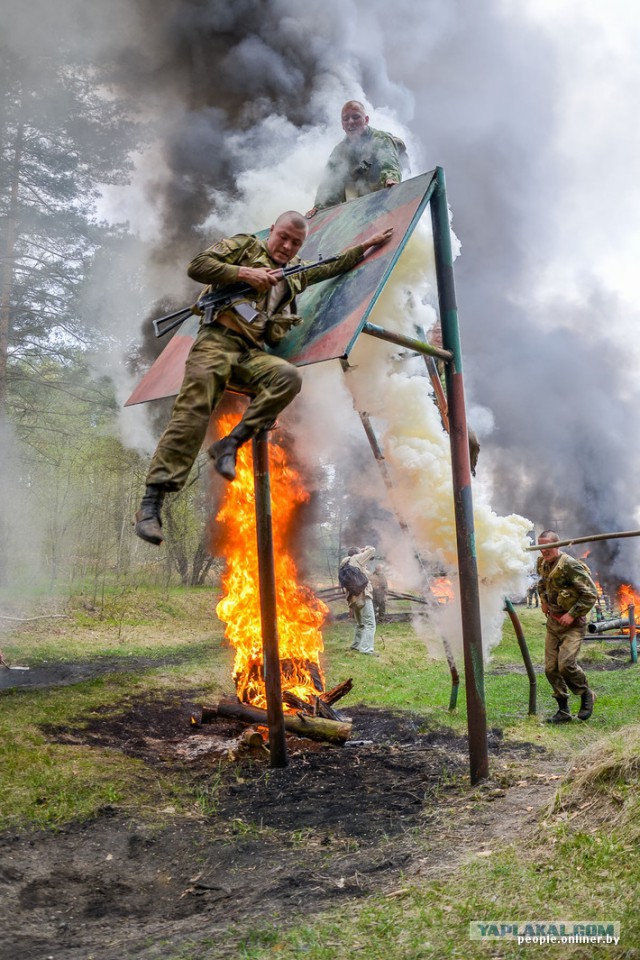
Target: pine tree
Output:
{"points": [[62, 137]]}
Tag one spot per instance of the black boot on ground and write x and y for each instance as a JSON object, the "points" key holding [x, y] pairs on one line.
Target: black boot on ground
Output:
{"points": [[587, 701], [148, 521], [224, 452], [563, 714]]}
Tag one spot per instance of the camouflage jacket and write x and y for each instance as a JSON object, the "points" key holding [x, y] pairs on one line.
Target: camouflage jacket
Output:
{"points": [[566, 586], [219, 265], [356, 168]]}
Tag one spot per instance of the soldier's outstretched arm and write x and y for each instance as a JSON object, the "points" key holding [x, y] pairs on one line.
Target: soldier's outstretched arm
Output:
{"points": [[378, 239]]}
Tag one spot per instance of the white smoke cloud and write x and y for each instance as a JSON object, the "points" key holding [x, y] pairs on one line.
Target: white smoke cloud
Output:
{"points": [[530, 107], [417, 451]]}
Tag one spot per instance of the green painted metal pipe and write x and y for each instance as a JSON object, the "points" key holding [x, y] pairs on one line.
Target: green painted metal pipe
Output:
{"points": [[420, 346], [633, 639], [461, 472], [524, 650]]}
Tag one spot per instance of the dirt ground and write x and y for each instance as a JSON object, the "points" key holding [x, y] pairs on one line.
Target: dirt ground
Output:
{"points": [[337, 824]]}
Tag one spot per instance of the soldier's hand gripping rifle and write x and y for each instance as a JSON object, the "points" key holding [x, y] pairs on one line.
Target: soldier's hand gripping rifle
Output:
{"points": [[236, 295]]}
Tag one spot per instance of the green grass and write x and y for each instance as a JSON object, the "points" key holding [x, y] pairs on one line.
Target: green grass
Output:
{"points": [[44, 783], [139, 622], [580, 864], [405, 678], [561, 878], [40, 780]]}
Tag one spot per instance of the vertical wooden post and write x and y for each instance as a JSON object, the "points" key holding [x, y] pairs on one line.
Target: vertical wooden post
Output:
{"points": [[268, 607]]}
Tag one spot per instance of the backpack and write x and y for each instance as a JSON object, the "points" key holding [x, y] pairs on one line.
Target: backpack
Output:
{"points": [[352, 578]]}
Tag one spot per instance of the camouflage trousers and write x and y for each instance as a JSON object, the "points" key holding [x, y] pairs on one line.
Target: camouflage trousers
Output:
{"points": [[561, 651], [219, 357]]}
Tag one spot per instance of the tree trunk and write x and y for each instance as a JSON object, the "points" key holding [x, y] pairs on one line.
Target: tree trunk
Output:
{"points": [[8, 260]]}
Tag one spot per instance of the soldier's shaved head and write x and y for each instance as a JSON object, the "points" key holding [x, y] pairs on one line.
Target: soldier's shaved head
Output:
{"points": [[294, 218], [354, 119], [550, 535], [286, 236], [353, 103]]}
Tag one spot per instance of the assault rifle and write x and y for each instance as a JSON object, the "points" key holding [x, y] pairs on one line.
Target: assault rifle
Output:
{"points": [[236, 295]]}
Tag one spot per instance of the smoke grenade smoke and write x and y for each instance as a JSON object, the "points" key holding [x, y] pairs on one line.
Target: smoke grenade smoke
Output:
{"points": [[246, 100], [249, 115], [241, 102]]}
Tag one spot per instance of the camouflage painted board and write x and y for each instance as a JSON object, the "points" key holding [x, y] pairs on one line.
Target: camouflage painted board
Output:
{"points": [[335, 310]]}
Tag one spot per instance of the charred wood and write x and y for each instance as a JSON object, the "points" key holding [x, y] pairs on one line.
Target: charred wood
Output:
{"points": [[314, 728], [289, 670], [338, 692]]}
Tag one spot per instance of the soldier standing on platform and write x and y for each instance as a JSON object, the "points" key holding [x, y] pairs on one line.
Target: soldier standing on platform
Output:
{"points": [[365, 161]]}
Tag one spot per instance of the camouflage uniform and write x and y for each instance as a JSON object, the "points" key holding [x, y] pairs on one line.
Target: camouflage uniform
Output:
{"points": [[361, 166], [565, 586], [230, 351]]}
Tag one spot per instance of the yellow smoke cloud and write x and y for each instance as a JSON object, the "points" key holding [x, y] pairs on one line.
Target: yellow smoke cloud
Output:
{"points": [[417, 451]]}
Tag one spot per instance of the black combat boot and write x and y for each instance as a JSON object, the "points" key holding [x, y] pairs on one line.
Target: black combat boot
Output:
{"points": [[563, 714], [587, 700], [148, 522], [224, 452]]}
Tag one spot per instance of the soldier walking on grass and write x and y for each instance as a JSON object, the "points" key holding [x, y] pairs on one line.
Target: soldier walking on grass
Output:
{"points": [[355, 580], [567, 594]]}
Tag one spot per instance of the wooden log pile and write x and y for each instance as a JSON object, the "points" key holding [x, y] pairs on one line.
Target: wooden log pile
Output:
{"points": [[315, 720]]}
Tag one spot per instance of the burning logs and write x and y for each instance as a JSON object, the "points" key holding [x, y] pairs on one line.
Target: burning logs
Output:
{"points": [[300, 724]]}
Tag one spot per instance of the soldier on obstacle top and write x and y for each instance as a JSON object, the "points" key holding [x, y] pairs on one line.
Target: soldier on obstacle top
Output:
{"points": [[567, 594], [365, 161], [229, 349]]}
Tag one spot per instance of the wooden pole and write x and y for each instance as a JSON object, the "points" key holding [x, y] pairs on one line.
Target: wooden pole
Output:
{"points": [[268, 610], [591, 539]]}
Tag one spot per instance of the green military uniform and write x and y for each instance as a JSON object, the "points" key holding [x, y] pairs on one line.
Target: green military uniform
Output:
{"points": [[230, 351], [360, 166], [565, 586]]}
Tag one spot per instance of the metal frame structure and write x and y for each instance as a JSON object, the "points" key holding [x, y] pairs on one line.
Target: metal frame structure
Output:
{"points": [[451, 353], [597, 630]]}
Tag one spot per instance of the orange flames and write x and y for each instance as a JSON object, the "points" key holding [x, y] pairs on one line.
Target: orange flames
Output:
{"points": [[300, 614], [442, 590], [627, 597]]}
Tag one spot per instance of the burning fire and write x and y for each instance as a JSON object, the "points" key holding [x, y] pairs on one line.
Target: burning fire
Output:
{"points": [[442, 590], [627, 597], [300, 613]]}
